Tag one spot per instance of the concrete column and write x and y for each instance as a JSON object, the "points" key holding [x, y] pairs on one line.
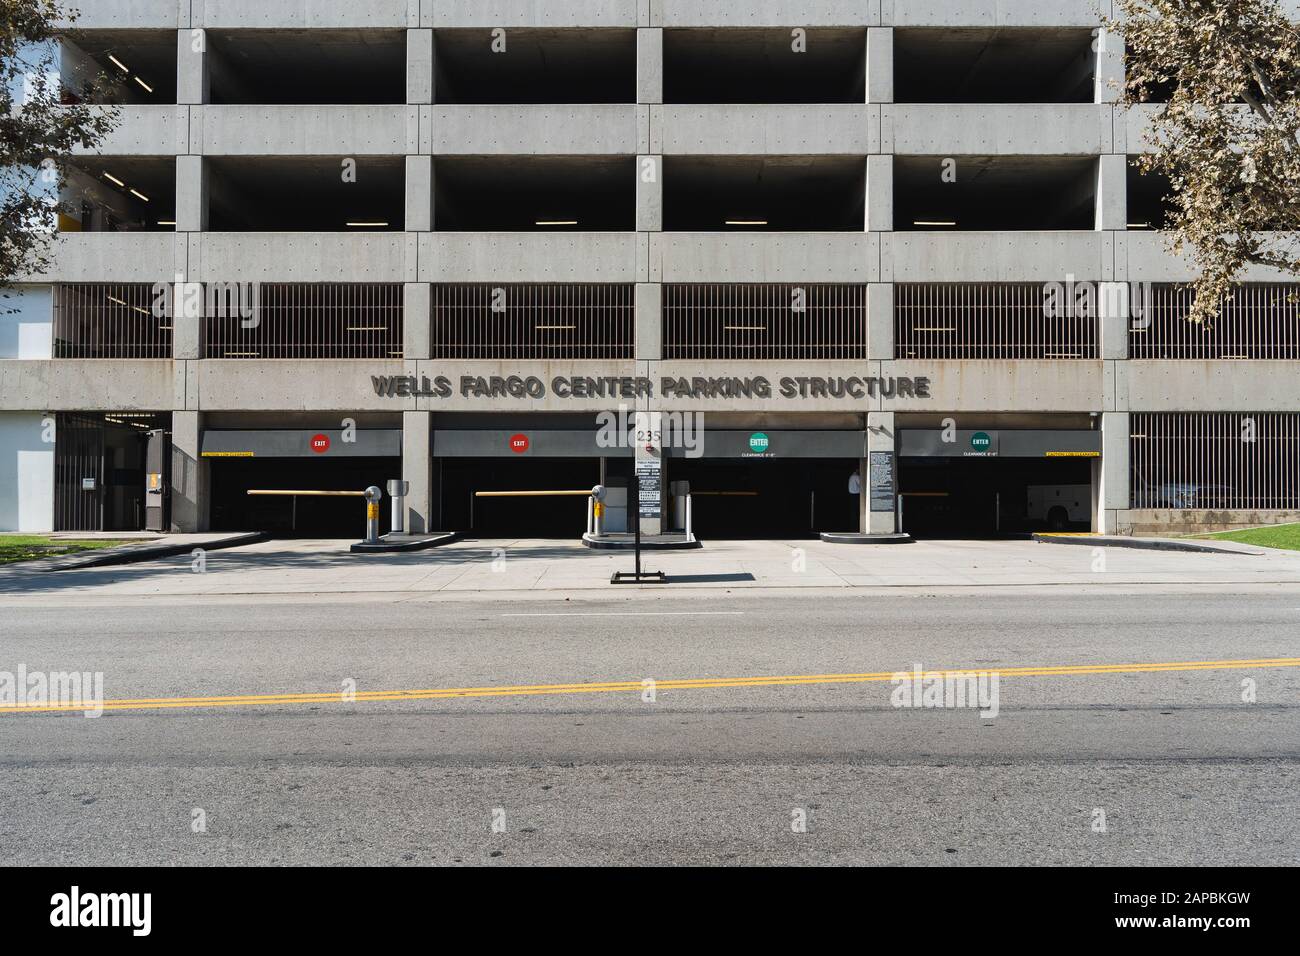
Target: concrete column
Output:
{"points": [[419, 193], [649, 322], [651, 421], [649, 194], [879, 212], [1111, 477], [1112, 192], [190, 479], [192, 67], [650, 65], [419, 66], [880, 437], [1110, 66], [880, 322], [191, 194], [880, 64], [1113, 311], [416, 320], [417, 468]]}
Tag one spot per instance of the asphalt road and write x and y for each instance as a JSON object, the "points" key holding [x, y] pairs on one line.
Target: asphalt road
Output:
{"points": [[1184, 770]]}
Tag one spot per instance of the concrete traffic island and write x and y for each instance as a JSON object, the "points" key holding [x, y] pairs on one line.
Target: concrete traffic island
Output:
{"points": [[394, 542], [858, 537], [626, 541], [1147, 544]]}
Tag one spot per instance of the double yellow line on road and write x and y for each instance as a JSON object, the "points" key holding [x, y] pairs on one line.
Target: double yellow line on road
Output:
{"points": [[636, 686]]}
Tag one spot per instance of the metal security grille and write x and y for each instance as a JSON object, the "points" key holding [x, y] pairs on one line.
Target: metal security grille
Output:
{"points": [[78, 455], [1255, 322], [1215, 460], [304, 321], [770, 321], [989, 321], [524, 321], [94, 321]]}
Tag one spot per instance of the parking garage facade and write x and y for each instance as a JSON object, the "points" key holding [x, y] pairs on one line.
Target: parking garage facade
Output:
{"points": [[869, 266]]}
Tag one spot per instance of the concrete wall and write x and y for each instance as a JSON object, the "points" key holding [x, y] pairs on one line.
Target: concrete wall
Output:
{"points": [[27, 322], [26, 473]]}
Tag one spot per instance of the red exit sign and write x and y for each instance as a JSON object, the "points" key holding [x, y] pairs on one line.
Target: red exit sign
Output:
{"points": [[519, 444]]}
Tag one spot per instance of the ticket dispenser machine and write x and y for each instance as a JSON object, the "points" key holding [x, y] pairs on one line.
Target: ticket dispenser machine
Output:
{"points": [[157, 458]]}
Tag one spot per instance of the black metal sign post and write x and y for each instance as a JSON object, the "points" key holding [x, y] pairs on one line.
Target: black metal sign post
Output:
{"points": [[637, 576]]}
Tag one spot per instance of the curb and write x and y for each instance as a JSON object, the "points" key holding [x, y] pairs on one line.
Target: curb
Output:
{"points": [[647, 544], [857, 537], [132, 554], [1143, 544], [397, 547]]}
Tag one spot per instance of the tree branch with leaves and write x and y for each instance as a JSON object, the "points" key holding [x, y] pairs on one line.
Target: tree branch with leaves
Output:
{"points": [[43, 118], [1228, 138]]}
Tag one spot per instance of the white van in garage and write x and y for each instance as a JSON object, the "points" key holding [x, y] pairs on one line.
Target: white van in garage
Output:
{"points": [[1059, 506]]}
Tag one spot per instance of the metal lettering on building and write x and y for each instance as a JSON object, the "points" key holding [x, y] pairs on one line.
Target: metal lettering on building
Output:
{"points": [[628, 387]]}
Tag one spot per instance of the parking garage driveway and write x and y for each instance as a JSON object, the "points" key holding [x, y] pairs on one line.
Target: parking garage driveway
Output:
{"points": [[324, 569]]}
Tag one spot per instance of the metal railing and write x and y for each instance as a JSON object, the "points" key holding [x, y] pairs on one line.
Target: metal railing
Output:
{"points": [[1255, 321], [988, 321], [110, 321], [1215, 460], [764, 321], [306, 321], [533, 321]]}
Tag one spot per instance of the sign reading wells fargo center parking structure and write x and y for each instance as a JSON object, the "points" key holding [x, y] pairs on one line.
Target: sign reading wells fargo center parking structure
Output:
{"points": [[627, 387]]}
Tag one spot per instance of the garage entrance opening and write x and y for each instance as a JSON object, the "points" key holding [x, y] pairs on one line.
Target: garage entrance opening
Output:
{"points": [[532, 517], [233, 509], [768, 498], [994, 497]]}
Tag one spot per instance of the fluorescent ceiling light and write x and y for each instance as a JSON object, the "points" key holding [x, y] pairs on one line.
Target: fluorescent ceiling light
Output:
{"points": [[745, 328], [113, 179], [542, 328], [555, 222], [367, 328], [166, 222], [139, 195], [241, 354], [144, 84], [367, 224], [1062, 355], [113, 298], [120, 65], [932, 222], [745, 222], [935, 328], [1139, 225]]}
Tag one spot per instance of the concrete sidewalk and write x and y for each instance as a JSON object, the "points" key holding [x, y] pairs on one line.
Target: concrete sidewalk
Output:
{"points": [[551, 567]]}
